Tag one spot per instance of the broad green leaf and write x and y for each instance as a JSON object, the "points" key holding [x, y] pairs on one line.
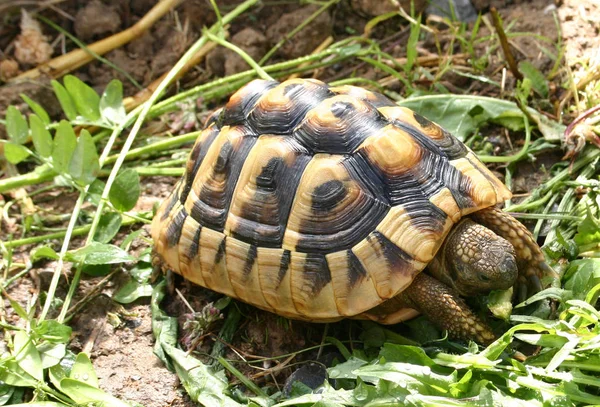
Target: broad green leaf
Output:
{"points": [[27, 356], [461, 115], [16, 125], [53, 331], [125, 190], [41, 404], [552, 293], [84, 371], [111, 103], [83, 393], [85, 98], [42, 140], [84, 166], [346, 370], [100, 253], [403, 353], [51, 353], [63, 147], [96, 270], [413, 376], [15, 153], [203, 384], [42, 252], [581, 276], [545, 340], [37, 109], [65, 100], [56, 373], [108, 227], [131, 291], [12, 374], [588, 231], [538, 81]]}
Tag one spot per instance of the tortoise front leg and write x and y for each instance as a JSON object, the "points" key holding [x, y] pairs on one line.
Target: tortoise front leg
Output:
{"points": [[440, 304], [530, 259]]}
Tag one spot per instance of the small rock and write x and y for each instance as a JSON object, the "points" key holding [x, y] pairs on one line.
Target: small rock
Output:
{"points": [[305, 41], [96, 19]]}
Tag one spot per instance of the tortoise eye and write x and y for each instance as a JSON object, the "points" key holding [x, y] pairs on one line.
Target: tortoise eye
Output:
{"points": [[483, 277]]}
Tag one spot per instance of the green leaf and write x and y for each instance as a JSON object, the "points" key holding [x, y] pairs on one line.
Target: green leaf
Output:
{"points": [[64, 146], [41, 404], [85, 98], [12, 374], [27, 356], [6, 393], [42, 252], [51, 353], [461, 115], [588, 231], [125, 190], [83, 393], [500, 303], [83, 370], [131, 291], [15, 153], [42, 140], [203, 384], [108, 227], [403, 353], [84, 166], [53, 331], [65, 100], [16, 125], [100, 253], [37, 109], [96, 270], [581, 276], [538, 81], [111, 103]]}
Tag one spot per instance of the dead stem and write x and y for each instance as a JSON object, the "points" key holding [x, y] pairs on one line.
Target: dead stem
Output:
{"points": [[68, 62], [510, 59]]}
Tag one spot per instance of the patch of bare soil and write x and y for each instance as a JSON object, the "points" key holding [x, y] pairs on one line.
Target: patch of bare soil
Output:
{"points": [[120, 338]]}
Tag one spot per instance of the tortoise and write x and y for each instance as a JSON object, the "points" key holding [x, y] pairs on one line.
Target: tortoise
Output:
{"points": [[320, 202]]}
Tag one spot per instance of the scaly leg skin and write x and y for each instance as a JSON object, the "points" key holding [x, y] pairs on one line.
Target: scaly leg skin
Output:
{"points": [[441, 305], [530, 259]]}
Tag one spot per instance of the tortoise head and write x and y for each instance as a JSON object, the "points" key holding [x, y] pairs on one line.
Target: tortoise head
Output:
{"points": [[474, 260]]}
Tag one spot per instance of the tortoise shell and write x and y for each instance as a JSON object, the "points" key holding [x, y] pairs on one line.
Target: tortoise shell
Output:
{"points": [[317, 202]]}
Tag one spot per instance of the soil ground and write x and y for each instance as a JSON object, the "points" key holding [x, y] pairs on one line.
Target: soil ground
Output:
{"points": [[121, 351]]}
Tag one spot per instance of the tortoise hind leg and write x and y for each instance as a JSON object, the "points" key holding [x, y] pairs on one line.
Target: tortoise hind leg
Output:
{"points": [[530, 259], [440, 304]]}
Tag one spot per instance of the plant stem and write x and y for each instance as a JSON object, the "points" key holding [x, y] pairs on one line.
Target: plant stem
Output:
{"points": [[78, 231], [43, 173]]}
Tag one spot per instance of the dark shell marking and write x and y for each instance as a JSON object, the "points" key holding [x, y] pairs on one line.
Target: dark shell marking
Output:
{"points": [[317, 202]]}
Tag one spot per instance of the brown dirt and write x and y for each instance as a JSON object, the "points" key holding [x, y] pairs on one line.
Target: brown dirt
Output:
{"points": [[122, 351]]}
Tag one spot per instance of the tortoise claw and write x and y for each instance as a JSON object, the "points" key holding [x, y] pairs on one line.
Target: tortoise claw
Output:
{"points": [[535, 284], [521, 292]]}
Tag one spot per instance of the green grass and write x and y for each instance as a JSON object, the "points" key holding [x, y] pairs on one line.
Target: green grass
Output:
{"points": [[548, 355]]}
